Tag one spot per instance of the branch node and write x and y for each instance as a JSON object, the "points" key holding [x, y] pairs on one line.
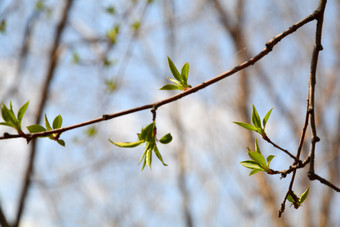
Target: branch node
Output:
{"points": [[106, 117]]}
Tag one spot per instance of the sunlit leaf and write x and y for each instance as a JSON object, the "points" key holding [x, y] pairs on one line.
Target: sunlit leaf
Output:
{"points": [[255, 171], [170, 87], [158, 154], [174, 71], [21, 113], [57, 122], [47, 124], [269, 159], [255, 118], [36, 128], [146, 133], [148, 157], [304, 195], [257, 157], [246, 126], [185, 73], [265, 119], [251, 164], [127, 144]]}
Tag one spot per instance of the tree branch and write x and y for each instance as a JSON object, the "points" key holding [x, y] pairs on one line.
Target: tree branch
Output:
{"points": [[268, 48]]}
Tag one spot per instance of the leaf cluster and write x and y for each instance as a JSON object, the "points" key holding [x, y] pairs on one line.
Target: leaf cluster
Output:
{"points": [[257, 162], [57, 122], [180, 81], [147, 136], [256, 122], [297, 201], [11, 119]]}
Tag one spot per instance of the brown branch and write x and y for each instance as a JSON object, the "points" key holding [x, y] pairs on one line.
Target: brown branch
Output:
{"points": [[54, 55], [3, 221], [269, 47]]}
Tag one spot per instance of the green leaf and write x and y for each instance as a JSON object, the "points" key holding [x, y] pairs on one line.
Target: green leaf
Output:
{"points": [[171, 87], [110, 9], [158, 154], [57, 122], [10, 124], [250, 164], [174, 71], [185, 73], [304, 195], [290, 198], [166, 139], [255, 118], [8, 115], [265, 119], [144, 153], [258, 158], [47, 124], [61, 142], [127, 144], [148, 157], [246, 126], [257, 148], [146, 133], [35, 128], [255, 171], [21, 113], [269, 159]]}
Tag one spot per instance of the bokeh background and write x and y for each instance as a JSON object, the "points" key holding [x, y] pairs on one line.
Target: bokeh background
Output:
{"points": [[112, 56]]}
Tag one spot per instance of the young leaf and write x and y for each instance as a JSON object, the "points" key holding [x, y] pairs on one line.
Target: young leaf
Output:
{"points": [[159, 156], [171, 87], [269, 159], [7, 124], [47, 124], [35, 128], [255, 118], [258, 158], [8, 114], [304, 196], [146, 133], [265, 119], [255, 171], [166, 139], [21, 113], [148, 157], [61, 142], [174, 71], [246, 126], [127, 144], [57, 122], [257, 148], [250, 164], [185, 73]]}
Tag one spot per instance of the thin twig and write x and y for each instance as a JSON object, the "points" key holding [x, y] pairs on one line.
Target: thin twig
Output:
{"points": [[269, 47]]}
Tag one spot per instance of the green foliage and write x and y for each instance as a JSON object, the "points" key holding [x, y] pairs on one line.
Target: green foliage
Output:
{"points": [[75, 58], [136, 25], [256, 120], [57, 123], [113, 33], [258, 162], [110, 9], [181, 79], [11, 119], [3, 26], [297, 201], [147, 136]]}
